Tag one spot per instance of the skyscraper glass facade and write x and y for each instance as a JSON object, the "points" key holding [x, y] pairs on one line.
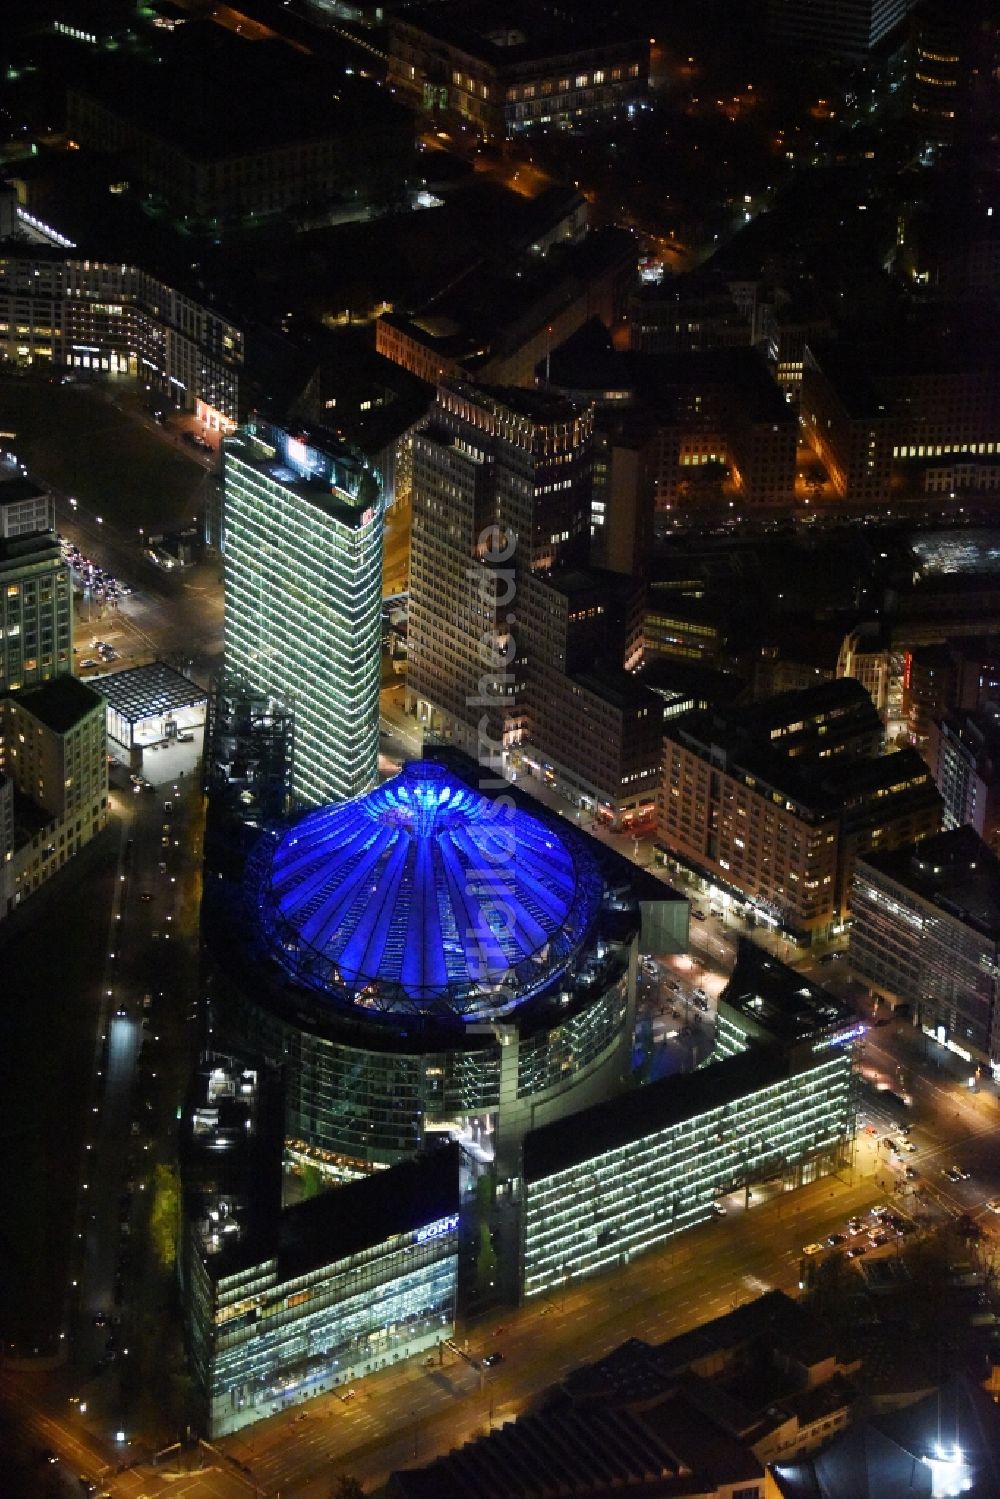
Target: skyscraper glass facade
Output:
{"points": [[604, 1208], [303, 588], [926, 933], [266, 1340]]}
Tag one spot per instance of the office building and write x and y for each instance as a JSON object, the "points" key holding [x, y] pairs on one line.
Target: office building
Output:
{"points": [[281, 1305], [926, 934], [622, 496], [503, 69], [593, 729], [551, 695], [25, 508], [58, 310], [771, 803], [504, 313], [53, 758], [501, 488], [303, 518], [36, 600], [840, 28], [422, 960], [775, 1104], [963, 752], [929, 391], [714, 415], [953, 82], [204, 131]]}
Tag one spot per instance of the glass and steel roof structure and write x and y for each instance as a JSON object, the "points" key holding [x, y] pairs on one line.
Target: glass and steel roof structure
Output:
{"points": [[424, 896]]}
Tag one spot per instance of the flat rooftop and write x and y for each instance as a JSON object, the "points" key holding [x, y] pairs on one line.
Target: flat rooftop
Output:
{"points": [[504, 33], [60, 703], [345, 1220], [622, 1121], [211, 94], [949, 552], [20, 488], [954, 871], [316, 466], [148, 691], [781, 1002]]}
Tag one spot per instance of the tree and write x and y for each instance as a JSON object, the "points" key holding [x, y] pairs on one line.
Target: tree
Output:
{"points": [[346, 1486], [165, 1216], [312, 1182]]}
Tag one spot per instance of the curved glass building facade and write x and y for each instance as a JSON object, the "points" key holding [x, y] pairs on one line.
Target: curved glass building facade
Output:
{"points": [[428, 960]]}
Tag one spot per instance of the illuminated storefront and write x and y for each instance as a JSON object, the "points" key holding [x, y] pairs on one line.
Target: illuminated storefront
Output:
{"points": [[281, 1305]]}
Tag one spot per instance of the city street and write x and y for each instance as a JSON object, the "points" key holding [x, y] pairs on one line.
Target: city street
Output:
{"points": [[413, 1411]]}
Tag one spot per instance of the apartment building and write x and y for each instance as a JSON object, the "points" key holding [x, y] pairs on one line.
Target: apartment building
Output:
{"points": [[772, 803], [54, 758]]}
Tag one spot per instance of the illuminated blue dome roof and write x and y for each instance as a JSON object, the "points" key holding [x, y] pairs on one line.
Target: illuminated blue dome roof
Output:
{"points": [[424, 897]]}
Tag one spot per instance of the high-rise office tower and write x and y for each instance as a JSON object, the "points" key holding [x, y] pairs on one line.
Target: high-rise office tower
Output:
{"points": [[303, 518], [501, 491], [36, 599], [843, 27]]}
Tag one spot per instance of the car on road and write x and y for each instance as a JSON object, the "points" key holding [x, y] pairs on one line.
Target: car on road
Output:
{"points": [[699, 915], [88, 664], [491, 1359], [856, 1251], [877, 1240], [855, 1226], [121, 1013], [912, 1174], [835, 1240], [812, 1249], [955, 1173], [147, 895], [993, 1206]]}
